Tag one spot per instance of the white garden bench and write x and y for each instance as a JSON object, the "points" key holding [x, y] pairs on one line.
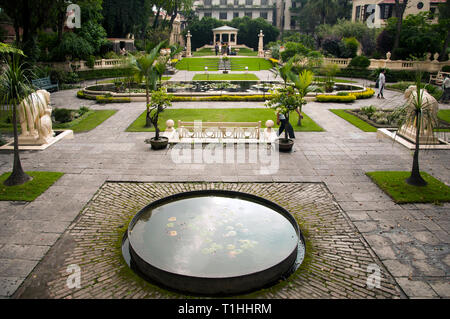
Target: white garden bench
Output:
{"points": [[219, 132], [438, 78]]}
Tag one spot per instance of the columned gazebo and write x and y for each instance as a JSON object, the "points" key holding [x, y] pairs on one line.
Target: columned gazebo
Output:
{"points": [[225, 34]]}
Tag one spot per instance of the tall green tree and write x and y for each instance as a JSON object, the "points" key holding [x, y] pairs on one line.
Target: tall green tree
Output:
{"points": [[400, 8], [15, 88], [123, 17], [444, 23]]}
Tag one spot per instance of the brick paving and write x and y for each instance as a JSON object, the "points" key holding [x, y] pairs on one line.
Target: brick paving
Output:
{"points": [[411, 240], [336, 263]]}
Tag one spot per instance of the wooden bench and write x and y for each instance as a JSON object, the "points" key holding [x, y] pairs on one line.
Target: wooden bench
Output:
{"points": [[438, 78], [219, 132], [45, 84]]}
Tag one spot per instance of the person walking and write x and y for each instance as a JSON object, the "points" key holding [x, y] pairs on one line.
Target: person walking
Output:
{"points": [[446, 88], [381, 83], [216, 48]]}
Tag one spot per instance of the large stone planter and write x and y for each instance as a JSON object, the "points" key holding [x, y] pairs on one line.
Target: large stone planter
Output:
{"points": [[284, 145], [159, 144]]}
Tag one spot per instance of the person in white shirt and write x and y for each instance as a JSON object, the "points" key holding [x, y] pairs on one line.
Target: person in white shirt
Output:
{"points": [[446, 88], [381, 83]]}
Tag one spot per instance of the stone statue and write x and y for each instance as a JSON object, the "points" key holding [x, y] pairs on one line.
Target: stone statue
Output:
{"points": [[430, 107], [35, 119], [388, 56]]}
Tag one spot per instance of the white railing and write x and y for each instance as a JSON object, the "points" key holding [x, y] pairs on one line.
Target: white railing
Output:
{"points": [[82, 65]]}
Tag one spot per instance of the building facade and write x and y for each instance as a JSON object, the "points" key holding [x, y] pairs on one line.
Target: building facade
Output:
{"points": [[378, 11], [276, 12]]}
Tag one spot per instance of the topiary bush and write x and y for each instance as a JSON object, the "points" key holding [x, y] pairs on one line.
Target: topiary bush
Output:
{"points": [[63, 115], [360, 62]]}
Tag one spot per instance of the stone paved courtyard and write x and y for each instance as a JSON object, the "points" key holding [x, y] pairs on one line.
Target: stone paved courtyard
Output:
{"points": [[335, 265], [411, 241]]}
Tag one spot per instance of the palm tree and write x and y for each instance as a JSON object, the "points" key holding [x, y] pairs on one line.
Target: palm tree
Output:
{"points": [[146, 68], [15, 88], [302, 83], [284, 70], [423, 117]]}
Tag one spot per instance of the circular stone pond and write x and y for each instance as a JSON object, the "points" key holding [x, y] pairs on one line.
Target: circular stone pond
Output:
{"points": [[208, 88], [213, 242]]}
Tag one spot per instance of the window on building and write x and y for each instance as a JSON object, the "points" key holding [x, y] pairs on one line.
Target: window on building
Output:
{"points": [[207, 14], [223, 15], [207, 2], [236, 2], [293, 22], [248, 14], [235, 15], [249, 2], [264, 2], [386, 11], [432, 14], [223, 2], [263, 15], [358, 13]]}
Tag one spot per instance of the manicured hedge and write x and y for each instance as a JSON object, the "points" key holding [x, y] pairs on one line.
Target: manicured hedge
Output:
{"points": [[368, 93], [81, 95], [336, 98], [222, 98], [104, 99], [105, 73]]}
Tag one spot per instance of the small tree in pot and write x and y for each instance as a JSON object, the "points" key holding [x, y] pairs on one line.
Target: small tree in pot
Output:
{"points": [[159, 101], [284, 101]]}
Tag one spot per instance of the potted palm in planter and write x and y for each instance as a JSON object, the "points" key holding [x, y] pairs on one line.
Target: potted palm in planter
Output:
{"points": [[146, 68], [284, 101], [159, 101]]}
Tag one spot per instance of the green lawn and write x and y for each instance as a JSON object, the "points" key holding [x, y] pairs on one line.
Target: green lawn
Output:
{"points": [[242, 52], [85, 123], [226, 77], [444, 115], [198, 64], [393, 184], [363, 126], [222, 115], [29, 191]]}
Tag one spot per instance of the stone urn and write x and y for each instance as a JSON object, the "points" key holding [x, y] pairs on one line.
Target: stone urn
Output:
{"points": [[284, 145]]}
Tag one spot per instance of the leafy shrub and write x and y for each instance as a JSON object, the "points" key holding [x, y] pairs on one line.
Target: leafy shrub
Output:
{"points": [[72, 46], [63, 115], [331, 46], [348, 47], [360, 62], [293, 48], [446, 68], [105, 73], [368, 110], [90, 61]]}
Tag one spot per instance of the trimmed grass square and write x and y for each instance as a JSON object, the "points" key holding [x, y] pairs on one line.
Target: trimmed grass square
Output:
{"points": [[363, 126], [226, 77], [198, 64], [29, 191], [444, 115], [222, 115], [394, 185], [87, 122]]}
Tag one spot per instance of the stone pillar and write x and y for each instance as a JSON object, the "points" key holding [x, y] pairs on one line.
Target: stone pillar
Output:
{"points": [[261, 45], [188, 45]]}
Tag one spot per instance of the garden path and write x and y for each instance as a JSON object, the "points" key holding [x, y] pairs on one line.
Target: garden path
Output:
{"points": [[412, 241]]}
